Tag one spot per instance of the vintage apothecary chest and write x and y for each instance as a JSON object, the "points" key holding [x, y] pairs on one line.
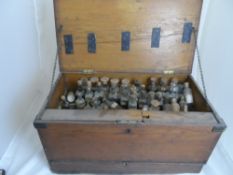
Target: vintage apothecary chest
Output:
{"points": [[132, 39]]}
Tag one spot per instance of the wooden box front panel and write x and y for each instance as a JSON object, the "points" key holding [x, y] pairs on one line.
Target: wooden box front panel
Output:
{"points": [[124, 141], [127, 148], [128, 142]]}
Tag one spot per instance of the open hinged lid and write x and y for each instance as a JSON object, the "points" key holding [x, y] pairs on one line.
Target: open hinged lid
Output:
{"points": [[127, 35]]}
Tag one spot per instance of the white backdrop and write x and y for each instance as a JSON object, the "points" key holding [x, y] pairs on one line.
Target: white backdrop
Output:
{"points": [[27, 51]]}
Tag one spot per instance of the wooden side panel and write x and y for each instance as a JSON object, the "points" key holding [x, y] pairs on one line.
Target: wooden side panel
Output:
{"points": [[109, 18], [128, 142], [199, 101], [123, 167]]}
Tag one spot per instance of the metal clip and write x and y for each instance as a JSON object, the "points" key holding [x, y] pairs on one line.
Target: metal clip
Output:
{"points": [[91, 43], [125, 41], [187, 32], [155, 38], [68, 40]]}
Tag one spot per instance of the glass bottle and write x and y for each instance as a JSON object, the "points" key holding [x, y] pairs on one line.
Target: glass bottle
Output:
{"points": [[70, 97], [84, 83], [151, 96], [104, 81], [89, 94], [132, 103], [99, 92], [188, 93], [114, 90], [80, 102], [94, 81], [124, 93], [137, 84], [175, 106], [152, 84], [80, 88], [174, 88], [155, 105], [182, 103], [163, 84], [62, 101], [142, 97]]}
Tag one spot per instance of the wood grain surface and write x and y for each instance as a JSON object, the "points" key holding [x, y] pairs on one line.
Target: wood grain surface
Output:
{"points": [[128, 142], [108, 167], [109, 18], [131, 115], [124, 141]]}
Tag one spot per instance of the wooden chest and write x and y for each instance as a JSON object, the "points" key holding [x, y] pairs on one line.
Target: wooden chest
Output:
{"points": [[133, 39]]}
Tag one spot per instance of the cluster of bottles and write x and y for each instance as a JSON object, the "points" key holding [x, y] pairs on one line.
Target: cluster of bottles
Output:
{"points": [[105, 93]]}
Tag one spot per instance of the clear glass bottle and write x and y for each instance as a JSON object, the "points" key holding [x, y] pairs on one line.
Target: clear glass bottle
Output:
{"points": [[80, 102], [137, 84], [151, 96], [174, 88], [142, 97], [105, 81], [94, 81], [99, 91], [89, 94], [155, 105], [70, 97], [84, 83], [80, 88], [114, 90], [175, 106], [124, 93], [133, 99], [188, 94], [163, 84], [183, 103], [152, 84]]}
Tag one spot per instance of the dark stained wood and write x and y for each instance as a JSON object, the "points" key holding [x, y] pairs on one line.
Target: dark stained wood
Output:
{"points": [[128, 142], [107, 19], [108, 167]]}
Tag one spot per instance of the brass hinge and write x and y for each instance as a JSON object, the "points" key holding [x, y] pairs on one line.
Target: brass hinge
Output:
{"points": [[145, 114], [168, 72]]}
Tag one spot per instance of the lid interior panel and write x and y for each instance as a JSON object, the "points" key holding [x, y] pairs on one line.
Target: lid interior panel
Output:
{"points": [[107, 19]]}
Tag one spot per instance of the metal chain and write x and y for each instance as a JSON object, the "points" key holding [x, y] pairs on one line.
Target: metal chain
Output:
{"points": [[198, 58], [199, 64], [54, 70]]}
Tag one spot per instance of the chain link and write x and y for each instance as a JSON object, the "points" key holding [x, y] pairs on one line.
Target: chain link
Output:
{"points": [[196, 49], [54, 70], [199, 64]]}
